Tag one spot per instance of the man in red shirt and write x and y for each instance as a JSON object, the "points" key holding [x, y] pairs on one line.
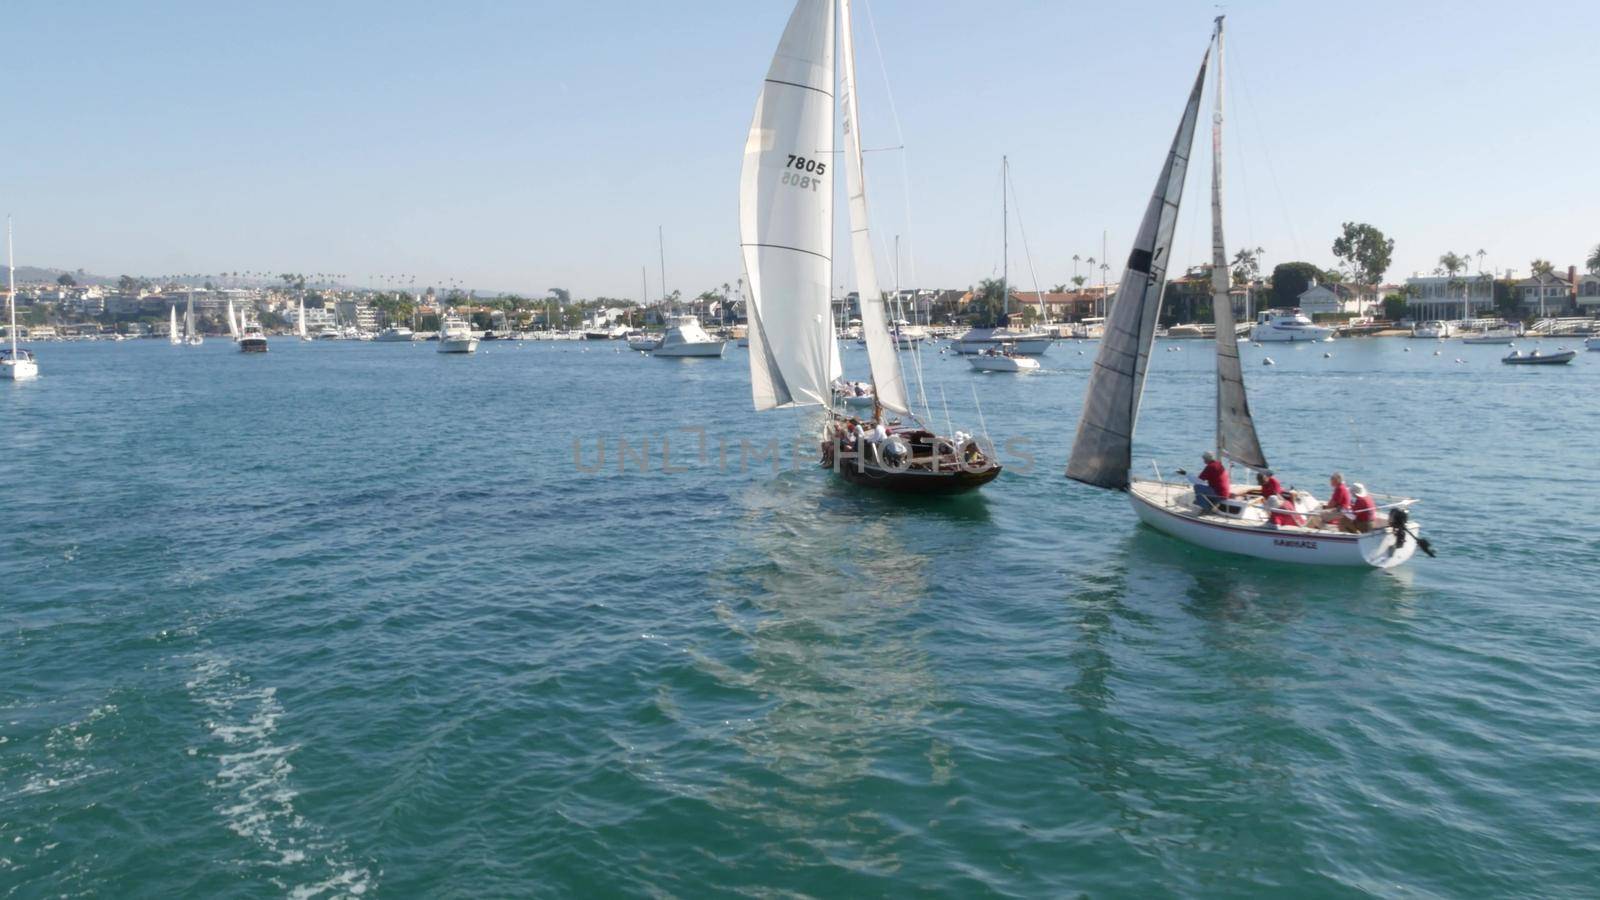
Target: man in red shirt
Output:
{"points": [[1270, 487], [1216, 484], [1333, 512], [1362, 513], [1281, 512]]}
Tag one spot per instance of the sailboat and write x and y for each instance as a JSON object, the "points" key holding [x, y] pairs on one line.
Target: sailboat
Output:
{"points": [[191, 334], [233, 321], [16, 364], [1008, 341], [300, 322], [174, 336], [786, 222], [1102, 452]]}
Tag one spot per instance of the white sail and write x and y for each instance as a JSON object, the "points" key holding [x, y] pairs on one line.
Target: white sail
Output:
{"points": [[888, 381], [1102, 451], [1236, 430], [233, 321], [172, 331], [300, 325], [188, 318], [786, 217]]}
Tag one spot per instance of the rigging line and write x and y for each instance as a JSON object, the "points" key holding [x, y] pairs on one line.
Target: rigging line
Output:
{"points": [[1026, 253], [1266, 154], [900, 135]]}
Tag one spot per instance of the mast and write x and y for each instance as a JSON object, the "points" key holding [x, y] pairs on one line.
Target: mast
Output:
{"points": [[1236, 430], [1005, 243], [11, 288], [661, 245]]}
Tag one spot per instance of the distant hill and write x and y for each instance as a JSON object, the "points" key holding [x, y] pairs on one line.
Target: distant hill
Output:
{"points": [[35, 275]]}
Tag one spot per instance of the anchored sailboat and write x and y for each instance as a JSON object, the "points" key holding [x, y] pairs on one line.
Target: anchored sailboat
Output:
{"points": [[1274, 527], [16, 364], [786, 222]]}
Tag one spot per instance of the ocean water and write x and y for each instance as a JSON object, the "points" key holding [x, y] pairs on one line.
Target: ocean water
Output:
{"points": [[355, 619]]}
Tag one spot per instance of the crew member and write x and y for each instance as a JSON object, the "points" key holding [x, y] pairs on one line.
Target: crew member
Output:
{"points": [[1333, 512], [1362, 513], [1214, 484]]}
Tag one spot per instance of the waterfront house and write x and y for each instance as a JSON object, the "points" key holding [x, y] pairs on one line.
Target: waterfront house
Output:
{"points": [[1548, 294], [1442, 297], [1338, 299]]}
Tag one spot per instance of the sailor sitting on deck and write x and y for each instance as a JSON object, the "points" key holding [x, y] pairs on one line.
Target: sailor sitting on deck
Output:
{"points": [[1267, 484], [1338, 505], [1281, 513], [1363, 510], [1213, 483]]}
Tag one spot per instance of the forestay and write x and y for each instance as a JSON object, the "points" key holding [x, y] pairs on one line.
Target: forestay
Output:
{"points": [[1236, 431], [786, 217], [888, 381], [1102, 451]]}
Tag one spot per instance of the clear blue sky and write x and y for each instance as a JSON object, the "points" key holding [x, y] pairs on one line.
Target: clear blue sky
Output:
{"points": [[521, 146]]}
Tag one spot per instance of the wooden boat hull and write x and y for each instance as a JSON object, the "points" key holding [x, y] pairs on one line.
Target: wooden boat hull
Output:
{"points": [[1164, 507], [948, 479]]}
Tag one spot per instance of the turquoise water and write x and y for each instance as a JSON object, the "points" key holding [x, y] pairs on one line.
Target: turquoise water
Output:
{"points": [[351, 619]]}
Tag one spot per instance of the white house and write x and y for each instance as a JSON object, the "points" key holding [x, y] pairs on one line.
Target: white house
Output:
{"points": [[1338, 299]]}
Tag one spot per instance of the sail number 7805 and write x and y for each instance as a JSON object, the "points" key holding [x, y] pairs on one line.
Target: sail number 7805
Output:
{"points": [[807, 172]]}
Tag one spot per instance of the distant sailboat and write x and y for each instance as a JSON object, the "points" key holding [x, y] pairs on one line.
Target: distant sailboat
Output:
{"points": [[1102, 453], [174, 336], [191, 334], [16, 364], [786, 222], [300, 322], [233, 321]]}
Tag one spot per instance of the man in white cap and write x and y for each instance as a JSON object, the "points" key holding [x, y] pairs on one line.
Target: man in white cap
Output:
{"points": [[1363, 511]]}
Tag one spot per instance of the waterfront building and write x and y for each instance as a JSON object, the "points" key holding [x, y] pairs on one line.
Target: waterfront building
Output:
{"points": [[1339, 299], [1441, 297], [1548, 294]]}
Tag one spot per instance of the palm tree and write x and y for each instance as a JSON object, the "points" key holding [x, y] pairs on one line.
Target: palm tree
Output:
{"points": [[1075, 259], [1542, 267], [1594, 260]]}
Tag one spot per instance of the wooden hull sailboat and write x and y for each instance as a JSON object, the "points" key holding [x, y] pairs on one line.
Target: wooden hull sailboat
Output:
{"points": [[786, 220], [1102, 450]]}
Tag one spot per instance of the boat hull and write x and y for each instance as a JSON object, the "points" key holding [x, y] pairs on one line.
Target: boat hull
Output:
{"points": [[18, 370], [253, 345], [1166, 508], [1003, 364], [1551, 359], [1024, 347], [703, 349], [458, 345], [1270, 335]]}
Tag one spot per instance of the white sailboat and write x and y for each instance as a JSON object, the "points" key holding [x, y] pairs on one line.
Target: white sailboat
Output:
{"points": [[191, 334], [1103, 449], [786, 221], [16, 364], [1004, 342], [233, 321], [300, 322]]}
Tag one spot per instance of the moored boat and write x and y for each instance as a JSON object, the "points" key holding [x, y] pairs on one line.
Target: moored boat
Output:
{"points": [[685, 338], [1287, 326], [1002, 359], [1539, 358], [455, 336], [396, 334]]}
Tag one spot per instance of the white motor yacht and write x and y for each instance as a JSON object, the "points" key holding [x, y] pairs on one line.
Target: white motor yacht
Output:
{"points": [[1287, 326], [252, 339], [455, 336], [1002, 359], [1024, 343], [685, 337], [397, 334]]}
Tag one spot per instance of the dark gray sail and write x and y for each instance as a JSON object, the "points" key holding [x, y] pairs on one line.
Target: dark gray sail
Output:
{"points": [[1102, 452], [1236, 431]]}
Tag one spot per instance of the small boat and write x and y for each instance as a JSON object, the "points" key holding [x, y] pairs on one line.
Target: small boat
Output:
{"points": [[1537, 358], [643, 341], [455, 336], [685, 338], [396, 334], [1102, 451], [252, 339], [1501, 338], [1287, 326], [1185, 332], [1592, 343], [1002, 359], [1431, 331], [854, 394]]}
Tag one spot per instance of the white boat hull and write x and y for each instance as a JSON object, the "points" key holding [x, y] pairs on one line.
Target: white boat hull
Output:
{"points": [[1592, 343], [458, 345], [1003, 364], [1169, 508], [644, 344], [18, 369], [1267, 334], [708, 348]]}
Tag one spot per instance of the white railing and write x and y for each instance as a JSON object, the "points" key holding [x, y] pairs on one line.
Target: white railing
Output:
{"points": [[1564, 325]]}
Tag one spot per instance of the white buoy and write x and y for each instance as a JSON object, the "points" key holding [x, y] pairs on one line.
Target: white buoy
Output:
{"points": [[1408, 349], [1460, 360], [1327, 356], [1267, 361], [1435, 353]]}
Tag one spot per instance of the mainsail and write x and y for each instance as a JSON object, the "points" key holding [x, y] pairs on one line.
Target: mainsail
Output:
{"points": [[1102, 451], [172, 330], [786, 217], [1236, 431], [300, 320], [888, 381], [233, 321], [188, 318]]}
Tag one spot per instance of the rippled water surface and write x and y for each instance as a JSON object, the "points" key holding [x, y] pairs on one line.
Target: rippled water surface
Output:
{"points": [[354, 619]]}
